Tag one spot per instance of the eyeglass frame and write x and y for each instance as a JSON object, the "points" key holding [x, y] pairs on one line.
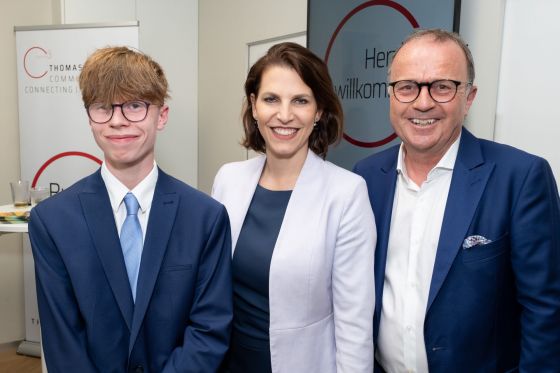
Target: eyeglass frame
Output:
{"points": [[429, 85], [122, 111]]}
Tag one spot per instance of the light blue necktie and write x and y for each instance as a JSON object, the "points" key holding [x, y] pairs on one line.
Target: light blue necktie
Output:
{"points": [[131, 241]]}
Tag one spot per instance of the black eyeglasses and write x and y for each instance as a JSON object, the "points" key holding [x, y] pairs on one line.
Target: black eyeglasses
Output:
{"points": [[441, 91], [133, 111]]}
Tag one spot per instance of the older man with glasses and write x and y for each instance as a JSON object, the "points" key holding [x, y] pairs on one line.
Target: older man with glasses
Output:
{"points": [[467, 263]]}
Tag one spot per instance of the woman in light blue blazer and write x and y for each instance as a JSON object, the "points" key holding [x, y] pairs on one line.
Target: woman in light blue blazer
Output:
{"points": [[302, 228]]}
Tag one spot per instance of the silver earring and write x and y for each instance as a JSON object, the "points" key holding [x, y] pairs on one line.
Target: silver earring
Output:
{"points": [[315, 124]]}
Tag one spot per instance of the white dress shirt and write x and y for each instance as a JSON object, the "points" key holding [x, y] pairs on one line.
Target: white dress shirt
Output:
{"points": [[413, 238], [144, 193]]}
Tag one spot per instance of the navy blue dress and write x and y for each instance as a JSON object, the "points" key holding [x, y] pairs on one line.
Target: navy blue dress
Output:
{"points": [[250, 346]]}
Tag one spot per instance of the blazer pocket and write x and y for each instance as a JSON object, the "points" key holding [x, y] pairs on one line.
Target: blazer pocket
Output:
{"points": [[179, 267], [481, 253]]}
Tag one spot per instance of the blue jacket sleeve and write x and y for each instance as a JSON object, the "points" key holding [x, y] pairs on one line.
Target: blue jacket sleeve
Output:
{"points": [[535, 256], [62, 329], [206, 339]]}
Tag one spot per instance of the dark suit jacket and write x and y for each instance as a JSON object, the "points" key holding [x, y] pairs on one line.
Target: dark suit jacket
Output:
{"points": [[183, 310], [493, 307]]}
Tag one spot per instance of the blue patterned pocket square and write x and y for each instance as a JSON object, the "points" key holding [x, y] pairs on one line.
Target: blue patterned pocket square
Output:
{"points": [[475, 240]]}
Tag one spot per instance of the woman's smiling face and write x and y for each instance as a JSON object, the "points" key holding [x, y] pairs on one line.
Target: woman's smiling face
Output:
{"points": [[285, 110]]}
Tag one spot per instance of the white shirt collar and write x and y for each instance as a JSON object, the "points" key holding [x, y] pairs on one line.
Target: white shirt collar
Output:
{"points": [[447, 162], [144, 191]]}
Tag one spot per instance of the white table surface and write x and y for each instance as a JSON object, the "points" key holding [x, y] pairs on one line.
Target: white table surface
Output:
{"points": [[10, 227]]}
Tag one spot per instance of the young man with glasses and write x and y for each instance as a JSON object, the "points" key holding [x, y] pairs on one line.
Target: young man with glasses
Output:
{"points": [[133, 266], [468, 250]]}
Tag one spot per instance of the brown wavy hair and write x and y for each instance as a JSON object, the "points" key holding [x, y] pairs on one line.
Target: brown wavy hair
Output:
{"points": [[120, 73], [314, 73]]}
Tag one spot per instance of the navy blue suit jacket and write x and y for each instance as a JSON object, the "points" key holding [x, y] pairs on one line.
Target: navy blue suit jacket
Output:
{"points": [[493, 307], [89, 322]]}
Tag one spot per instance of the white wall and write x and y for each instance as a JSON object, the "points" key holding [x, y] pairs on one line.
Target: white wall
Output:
{"points": [[80, 11], [481, 27], [14, 13], [168, 33], [225, 29], [527, 114]]}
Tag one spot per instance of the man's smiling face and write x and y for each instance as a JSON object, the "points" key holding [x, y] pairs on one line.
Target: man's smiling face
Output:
{"points": [[426, 127]]}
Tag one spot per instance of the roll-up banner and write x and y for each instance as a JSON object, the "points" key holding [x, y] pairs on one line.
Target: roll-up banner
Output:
{"points": [[56, 145], [357, 40]]}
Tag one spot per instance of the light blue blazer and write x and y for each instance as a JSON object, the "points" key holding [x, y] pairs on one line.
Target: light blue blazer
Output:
{"points": [[321, 286]]}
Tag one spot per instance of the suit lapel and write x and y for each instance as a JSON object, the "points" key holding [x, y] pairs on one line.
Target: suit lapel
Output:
{"points": [[248, 179], [160, 223], [470, 176], [101, 222], [306, 194], [383, 207]]}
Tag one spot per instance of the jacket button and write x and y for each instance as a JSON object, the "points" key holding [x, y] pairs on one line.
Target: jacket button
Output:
{"points": [[139, 369]]}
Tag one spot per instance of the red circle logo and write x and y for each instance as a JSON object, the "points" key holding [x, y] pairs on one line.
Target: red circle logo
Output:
{"points": [[402, 10], [62, 155], [29, 59]]}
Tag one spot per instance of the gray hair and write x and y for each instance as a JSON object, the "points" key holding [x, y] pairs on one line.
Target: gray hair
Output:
{"points": [[440, 35]]}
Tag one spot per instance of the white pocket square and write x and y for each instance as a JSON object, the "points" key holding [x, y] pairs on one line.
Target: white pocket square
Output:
{"points": [[475, 240]]}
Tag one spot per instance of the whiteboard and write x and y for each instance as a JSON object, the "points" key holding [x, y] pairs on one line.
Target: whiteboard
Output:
{"points": [[257, 49], [528, 99]]}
